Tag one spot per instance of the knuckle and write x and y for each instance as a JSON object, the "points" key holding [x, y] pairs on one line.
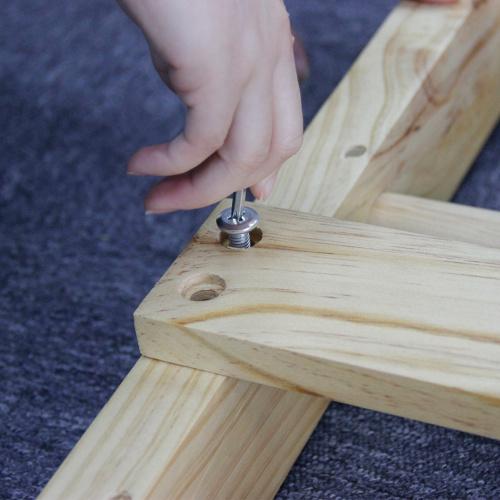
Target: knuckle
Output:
{"points": [[252, 161], [290, 145], [210, 143]]}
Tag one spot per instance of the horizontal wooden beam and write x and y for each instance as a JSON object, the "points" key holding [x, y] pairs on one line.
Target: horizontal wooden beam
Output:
{"points": [[437, 218], [173, 432], [387, 320], [410, 116]]}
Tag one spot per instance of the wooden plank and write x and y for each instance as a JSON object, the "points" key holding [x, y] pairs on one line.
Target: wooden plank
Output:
{"points": [[172, 432], [316, 147], [437, 218], [409, 117], [392, 321]]}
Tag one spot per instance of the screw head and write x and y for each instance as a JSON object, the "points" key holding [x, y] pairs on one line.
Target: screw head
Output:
{"points": [[249, 219]]}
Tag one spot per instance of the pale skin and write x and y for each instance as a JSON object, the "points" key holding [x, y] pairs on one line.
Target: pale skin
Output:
{"points": [[231, 62]]}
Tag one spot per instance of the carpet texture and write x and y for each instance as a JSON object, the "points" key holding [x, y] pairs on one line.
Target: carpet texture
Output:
{"points": [[78, 96]]}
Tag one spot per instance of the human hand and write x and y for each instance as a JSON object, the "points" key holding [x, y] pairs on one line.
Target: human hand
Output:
{"points": [[232, 64]]}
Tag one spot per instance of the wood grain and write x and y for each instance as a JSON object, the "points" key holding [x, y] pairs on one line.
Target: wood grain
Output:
{"points": [[437, 218], [172, 432], [421, 100], [392, 321], [154, 427]]}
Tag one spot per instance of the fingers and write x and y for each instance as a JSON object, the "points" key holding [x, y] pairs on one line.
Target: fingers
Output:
{"points": [[235, 70], [266, 130], [179, 192], [247, 147], [288, 123], [244, 118], [248, 143], [207, 125]]}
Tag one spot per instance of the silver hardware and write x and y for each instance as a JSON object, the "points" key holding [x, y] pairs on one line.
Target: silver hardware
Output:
{"points": [[238, 221]]}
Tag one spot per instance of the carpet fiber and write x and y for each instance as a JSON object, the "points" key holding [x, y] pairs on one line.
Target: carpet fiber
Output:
{"points": [[78, 96]]}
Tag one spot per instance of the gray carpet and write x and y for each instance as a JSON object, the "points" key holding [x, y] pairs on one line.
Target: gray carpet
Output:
{"points": [[77, 97]]}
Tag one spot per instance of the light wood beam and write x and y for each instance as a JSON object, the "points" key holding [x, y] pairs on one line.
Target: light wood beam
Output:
{"points": [[392, 321], [173, 432], [436, 218], [410, 116]]}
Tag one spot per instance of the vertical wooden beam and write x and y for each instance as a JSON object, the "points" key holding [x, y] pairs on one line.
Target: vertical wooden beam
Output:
{"points": [[173, 432], [410, 117]]}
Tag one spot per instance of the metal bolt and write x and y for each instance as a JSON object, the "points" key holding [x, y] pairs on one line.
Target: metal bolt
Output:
{"points": [[238, 221]]}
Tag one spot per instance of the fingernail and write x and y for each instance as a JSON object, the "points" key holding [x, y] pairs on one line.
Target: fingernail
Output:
{"points": [[267, 188]]}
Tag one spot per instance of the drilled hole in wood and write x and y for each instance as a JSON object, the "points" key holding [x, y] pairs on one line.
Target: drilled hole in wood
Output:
{"points": [[255, 237], [355, 151], [203, 287]]}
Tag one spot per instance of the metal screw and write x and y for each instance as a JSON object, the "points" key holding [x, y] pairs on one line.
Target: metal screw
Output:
{"points": [[238, 221]]}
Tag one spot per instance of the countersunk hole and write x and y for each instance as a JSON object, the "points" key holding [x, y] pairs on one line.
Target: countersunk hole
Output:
{"points": [[203, 287], [255, 237], [355, 151]]}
